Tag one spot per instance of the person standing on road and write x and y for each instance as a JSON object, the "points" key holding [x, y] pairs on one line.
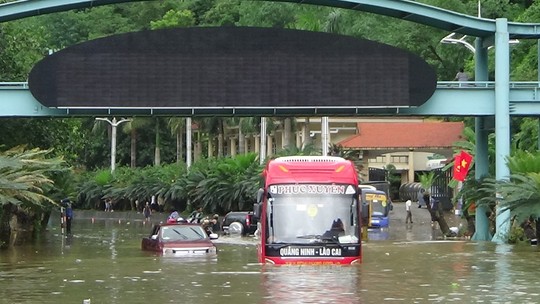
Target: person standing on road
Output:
{"points": [[173, 217], [69, 217], [196, 216], [147, 211], [408, 204], [216, 227]]}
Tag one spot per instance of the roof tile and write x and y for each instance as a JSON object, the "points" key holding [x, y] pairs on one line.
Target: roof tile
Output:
{"points": [[395, 135]]}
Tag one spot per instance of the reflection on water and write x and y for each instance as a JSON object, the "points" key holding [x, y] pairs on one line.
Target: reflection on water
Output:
{"points": [[378, 234], [102, 261], [311, 284]]}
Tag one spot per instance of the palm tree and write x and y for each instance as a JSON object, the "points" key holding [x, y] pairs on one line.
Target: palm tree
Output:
{"points": [[176, 126], [157, 150], [208, 128], [288, 125], [287, 132], [472, 192], [222, 185], [131, 127], [23, 181], [521, 192], [246, 126], [332, 22]]}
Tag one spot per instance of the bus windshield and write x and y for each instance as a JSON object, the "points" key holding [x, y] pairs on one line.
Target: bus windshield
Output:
{"points": [[377, 208], [378, 203], [312, 218]]}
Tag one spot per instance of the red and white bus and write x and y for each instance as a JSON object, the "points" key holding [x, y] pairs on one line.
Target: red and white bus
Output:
{"points": [[309, 211]]}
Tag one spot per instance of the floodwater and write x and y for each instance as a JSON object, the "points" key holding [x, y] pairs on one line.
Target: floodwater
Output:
{"points": [[102, 263]]}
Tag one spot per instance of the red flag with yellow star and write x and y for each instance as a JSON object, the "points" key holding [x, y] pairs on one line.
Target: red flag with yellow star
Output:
{"points": [[462, 163]]}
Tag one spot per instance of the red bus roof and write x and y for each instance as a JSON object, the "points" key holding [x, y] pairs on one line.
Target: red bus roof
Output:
{"points": [[310, 169]]}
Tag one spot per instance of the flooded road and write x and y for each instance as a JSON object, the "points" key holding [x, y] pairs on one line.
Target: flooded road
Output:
{"points": [[102, 262]]}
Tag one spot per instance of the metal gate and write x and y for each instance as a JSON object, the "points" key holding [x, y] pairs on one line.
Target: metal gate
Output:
{"points": [[376, 174], [440, 189]]}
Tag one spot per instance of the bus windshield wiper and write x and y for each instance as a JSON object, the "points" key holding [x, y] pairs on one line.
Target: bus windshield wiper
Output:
{"points": [[319, 238], [309, 236], [330, 239]]}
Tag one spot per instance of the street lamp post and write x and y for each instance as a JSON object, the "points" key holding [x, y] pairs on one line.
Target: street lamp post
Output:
{"points": [[113, 124], [325, 135]]}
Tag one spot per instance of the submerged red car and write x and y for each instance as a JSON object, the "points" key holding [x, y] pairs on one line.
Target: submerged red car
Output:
{"points": [[180, 239]]}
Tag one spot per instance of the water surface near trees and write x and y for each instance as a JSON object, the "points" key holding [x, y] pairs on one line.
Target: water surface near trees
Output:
{"points": [[102, 261]]}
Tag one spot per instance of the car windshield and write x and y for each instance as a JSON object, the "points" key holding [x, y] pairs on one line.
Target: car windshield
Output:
{"points": [[182, 233]]}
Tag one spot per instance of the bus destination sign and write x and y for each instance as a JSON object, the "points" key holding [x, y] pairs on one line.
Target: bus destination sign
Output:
{"points": [[291, 251], [309, 189]]}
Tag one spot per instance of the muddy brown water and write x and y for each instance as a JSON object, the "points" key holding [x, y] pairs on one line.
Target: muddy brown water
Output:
{"points": [[102, 263]]}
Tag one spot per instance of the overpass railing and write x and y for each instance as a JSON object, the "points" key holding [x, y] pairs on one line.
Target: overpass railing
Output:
{"points": [[473, 85], [451, 98]]}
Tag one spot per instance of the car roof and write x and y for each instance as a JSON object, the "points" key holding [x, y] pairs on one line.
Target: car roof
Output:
{"points": [[178, 224], [239, 212]]}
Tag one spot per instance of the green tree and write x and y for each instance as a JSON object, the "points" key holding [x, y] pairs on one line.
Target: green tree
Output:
{"points": [[22, 44], [267, 14], [131, 127], [174, 18], [223, 12], [223, 185], [24, 179], [176, 126]]}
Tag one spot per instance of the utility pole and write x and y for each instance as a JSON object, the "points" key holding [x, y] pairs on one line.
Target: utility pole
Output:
{"points": [[113, 124]]}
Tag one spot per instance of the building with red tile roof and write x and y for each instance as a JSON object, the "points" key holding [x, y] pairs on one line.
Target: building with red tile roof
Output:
{"points": [[426, 136], [405, 144]]}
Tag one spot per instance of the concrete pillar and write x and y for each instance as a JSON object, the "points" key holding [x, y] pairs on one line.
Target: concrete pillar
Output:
{"points": [[325, 135], [502, 119], [262, 148], [198, 148], [410, 165], [257, 141], [364, 173], [232, 140], [188, 142], [270, 141], [286, 135], [481, 162], [306, 132], [210, 147]]}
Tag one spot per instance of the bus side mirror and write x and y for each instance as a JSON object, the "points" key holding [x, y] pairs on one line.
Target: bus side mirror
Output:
{"points": [[260, 195], [257, 210], [258, 206]]}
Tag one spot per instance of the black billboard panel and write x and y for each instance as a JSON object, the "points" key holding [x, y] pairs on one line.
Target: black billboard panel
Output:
{"points": [[231, 67]]}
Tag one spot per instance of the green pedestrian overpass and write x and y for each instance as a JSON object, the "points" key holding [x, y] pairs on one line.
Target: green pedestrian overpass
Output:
{"points": [[450, 99]]}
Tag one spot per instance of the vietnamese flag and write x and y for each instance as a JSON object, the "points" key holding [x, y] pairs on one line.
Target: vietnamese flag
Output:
{"points": [[462, 163]]}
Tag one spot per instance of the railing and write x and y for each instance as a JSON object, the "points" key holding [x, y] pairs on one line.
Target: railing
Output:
{"points": [[440, 85], [13, 85], [451, 98], [486, 84]]}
